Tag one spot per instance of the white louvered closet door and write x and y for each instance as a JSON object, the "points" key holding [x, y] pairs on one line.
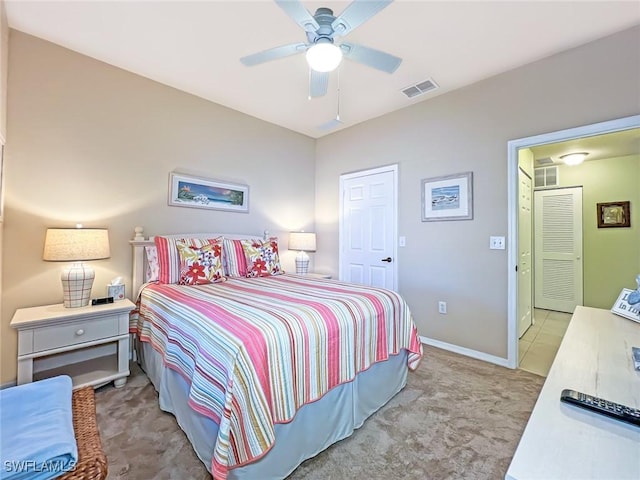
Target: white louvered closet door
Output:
{"points": [[558, 249]]}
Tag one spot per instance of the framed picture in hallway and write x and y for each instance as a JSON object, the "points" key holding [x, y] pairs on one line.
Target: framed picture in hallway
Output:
{"points": [[614, 214], [449, 197]]}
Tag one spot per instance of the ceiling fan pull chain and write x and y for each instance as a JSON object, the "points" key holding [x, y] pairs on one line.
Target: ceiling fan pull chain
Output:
{"points": [[338, 110]]}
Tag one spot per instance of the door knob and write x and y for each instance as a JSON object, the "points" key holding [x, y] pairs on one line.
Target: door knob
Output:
{"points": [[388, 259]]}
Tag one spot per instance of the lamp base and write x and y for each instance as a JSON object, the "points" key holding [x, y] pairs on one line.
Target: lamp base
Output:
{"points": [[77, 281], [302, 263]]}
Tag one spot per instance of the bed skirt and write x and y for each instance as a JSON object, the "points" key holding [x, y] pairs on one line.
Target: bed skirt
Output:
{"points": [[315, 427]]}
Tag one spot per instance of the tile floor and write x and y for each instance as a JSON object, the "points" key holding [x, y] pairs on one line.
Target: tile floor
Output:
{"points": [[538, 346]]}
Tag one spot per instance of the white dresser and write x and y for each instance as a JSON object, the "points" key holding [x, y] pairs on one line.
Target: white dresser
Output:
{"points": [[565, 442]]}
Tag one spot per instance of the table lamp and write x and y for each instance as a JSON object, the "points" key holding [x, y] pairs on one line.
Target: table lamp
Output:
{"points": [[304, 242], [76, 245]]}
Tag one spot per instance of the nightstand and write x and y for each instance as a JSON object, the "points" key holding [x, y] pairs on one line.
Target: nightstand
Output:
{"points": [[318, 275], [90, 344]]}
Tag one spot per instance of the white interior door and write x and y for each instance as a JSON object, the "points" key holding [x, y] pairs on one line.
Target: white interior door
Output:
{"points": [[368, 226], [525, 243], [558, 249]]}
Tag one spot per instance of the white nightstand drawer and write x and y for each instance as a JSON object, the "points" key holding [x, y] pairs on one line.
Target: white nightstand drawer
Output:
{"points": [[46, 338]]}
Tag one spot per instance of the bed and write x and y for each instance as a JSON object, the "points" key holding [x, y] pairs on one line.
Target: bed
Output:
{"points": [[265, 372]]}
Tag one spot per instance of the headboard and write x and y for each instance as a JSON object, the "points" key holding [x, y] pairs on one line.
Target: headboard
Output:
{"points": [[140, 256]]}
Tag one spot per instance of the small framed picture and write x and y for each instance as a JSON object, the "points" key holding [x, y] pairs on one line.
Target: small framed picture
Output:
{"points": [[447, 198], [614, 214]]}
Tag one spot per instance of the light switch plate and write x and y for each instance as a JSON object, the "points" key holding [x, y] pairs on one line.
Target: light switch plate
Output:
{"points": [[402, 241]]}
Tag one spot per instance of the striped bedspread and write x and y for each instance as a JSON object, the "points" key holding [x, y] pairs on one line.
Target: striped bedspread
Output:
{"points": [[255, 350]]}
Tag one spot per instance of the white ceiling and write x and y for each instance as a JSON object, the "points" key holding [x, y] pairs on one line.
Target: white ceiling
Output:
{"points": [[195, 47]]}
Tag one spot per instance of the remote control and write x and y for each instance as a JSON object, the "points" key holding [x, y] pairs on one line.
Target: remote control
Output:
{"points": [[636, 357], [102, 301], [604, 407]]}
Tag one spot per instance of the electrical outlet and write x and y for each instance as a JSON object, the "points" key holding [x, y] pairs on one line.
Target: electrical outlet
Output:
{"points": [[496, 243], [442, 307]]}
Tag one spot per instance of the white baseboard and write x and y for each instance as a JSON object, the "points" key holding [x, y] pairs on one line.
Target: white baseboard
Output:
{"points": [[503, 362]]}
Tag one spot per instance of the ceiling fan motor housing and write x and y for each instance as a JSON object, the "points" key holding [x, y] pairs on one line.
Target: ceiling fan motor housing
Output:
{"points": [[325, 32]]}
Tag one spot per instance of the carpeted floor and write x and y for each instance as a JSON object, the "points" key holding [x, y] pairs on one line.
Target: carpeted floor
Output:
{"points": [[457, 418]]}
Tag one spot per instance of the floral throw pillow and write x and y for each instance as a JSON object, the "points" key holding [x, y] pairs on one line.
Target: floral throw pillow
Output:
{"points": [[200, 265], [169, 258], [262, 257]]}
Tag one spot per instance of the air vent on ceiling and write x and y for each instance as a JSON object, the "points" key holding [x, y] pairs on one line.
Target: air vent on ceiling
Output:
{"points": [[544, 161], [420, 88], [546, 177]]}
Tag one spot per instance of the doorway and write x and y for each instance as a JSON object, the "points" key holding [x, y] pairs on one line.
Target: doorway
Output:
{"points": [[525, 244], [368, 227], [513, 224], [558, 273]]}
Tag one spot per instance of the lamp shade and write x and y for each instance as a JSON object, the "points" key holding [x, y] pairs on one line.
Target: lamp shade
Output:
{"points": [[76, 244], [303, 241]]}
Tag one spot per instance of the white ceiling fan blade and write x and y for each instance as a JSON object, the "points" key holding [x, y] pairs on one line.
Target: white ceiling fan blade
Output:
{"points": [[371, 57], [358, 12], [299, 14], [273, 54], [318, 83], [330, 125]]}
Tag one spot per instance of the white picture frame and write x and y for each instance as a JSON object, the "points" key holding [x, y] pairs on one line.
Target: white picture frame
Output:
{"points": [[622, 307], [449, 197], [199, 192]]}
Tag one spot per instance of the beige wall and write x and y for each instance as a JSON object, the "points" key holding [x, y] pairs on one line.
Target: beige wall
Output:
{"points": [[4, 54], [468, 129], [94, 144], [611, 255]]}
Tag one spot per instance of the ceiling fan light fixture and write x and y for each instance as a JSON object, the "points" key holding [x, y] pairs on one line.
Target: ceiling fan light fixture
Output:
{"points": [[324, 57], [574, 158]]}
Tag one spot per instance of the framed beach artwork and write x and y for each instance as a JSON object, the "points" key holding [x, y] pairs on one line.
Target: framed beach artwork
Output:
{"points": [[447, 198], [199, 192]]}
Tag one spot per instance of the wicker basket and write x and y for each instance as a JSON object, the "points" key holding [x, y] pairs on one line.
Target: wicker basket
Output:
{"points": [[92, 462]]}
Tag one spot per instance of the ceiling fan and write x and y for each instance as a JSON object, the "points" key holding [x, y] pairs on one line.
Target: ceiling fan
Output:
{"points": [[322, 30]]}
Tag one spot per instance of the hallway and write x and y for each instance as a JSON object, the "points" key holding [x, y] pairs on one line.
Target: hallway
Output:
{"points": [[538, 346]]}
